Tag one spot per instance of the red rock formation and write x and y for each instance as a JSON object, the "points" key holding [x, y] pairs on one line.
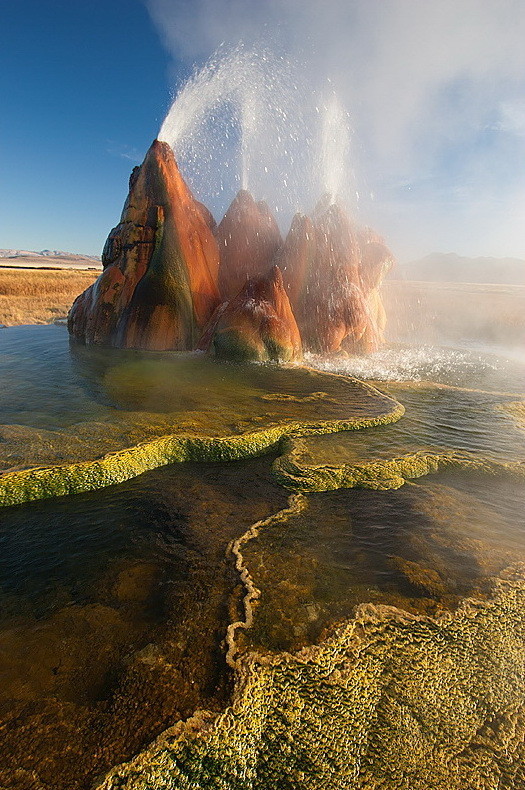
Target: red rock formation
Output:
{"points": [[376, 262], [320, 261], [159, 284], [258, 324], [248, 238]]}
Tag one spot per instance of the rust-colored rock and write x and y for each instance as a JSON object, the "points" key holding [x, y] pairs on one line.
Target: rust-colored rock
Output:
{"points": [[258, 324], [320, 260], [376, 262], [159, 285], [248, 238]]}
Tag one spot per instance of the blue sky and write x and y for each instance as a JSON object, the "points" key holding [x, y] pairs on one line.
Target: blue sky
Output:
{"points": [[84, 87], [435, 94]]}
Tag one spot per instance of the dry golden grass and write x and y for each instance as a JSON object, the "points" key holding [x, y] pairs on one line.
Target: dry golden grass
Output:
{"points": [[39, 296]]}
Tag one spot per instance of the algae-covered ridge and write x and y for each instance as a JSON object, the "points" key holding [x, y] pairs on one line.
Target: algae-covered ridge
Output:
{"points": [[306, 468], [387, 699], [293, 473], [40, 482]]}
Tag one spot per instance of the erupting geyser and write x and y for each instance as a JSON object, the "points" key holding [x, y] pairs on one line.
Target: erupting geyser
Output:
{"points": [[172, 280]]}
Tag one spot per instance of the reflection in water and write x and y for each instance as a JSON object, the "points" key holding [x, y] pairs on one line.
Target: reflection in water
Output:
{"points": [[113, 608], [114, 605]]}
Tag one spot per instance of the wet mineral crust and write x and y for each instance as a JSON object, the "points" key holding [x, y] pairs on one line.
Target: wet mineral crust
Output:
{"points": [[248, 239], [258, 324], [159, 284], [388, 700], [332, 271]]}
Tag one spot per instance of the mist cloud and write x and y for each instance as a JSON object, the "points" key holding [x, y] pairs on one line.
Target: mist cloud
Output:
{"points": [[435, 92]]}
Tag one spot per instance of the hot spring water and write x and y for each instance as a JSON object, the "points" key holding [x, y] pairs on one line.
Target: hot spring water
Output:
{"points": [[126, 570], [115, 602]]}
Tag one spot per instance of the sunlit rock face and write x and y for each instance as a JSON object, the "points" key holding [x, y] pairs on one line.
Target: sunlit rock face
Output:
{"points": [[248, 238], [258, 324], [376, 261], [332, 272], [159, 286], [168, 267], [320, 264]]}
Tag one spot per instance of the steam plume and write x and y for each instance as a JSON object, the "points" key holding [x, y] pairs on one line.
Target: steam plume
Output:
{"points": [[434, 92]]}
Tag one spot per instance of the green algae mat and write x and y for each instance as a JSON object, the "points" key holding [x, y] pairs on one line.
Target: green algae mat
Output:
{"points": [[373, 635], [75, 419]]}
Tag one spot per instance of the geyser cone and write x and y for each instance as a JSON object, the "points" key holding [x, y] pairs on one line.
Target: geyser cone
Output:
{"points": [[320, 263], [332, 271], [159, 284], [248, 238], [376, 262], [258, 324]]}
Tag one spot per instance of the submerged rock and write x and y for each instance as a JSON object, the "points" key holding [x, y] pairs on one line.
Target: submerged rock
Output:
{"points": [[258, 324], [248, 238], [159, 284]]}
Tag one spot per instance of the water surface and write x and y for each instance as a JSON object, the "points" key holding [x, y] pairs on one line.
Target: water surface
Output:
{"points": [[114, 604]]}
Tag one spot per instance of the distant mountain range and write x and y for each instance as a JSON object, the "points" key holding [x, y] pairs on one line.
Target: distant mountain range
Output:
{"points": [[436, 267], [46, 254], [449, 267]]}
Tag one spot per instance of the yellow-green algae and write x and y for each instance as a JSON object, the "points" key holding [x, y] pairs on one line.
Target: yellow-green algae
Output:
{"points": [[295, 474], [516, 409], [59, 480], [385, 460], [387, 700]]}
